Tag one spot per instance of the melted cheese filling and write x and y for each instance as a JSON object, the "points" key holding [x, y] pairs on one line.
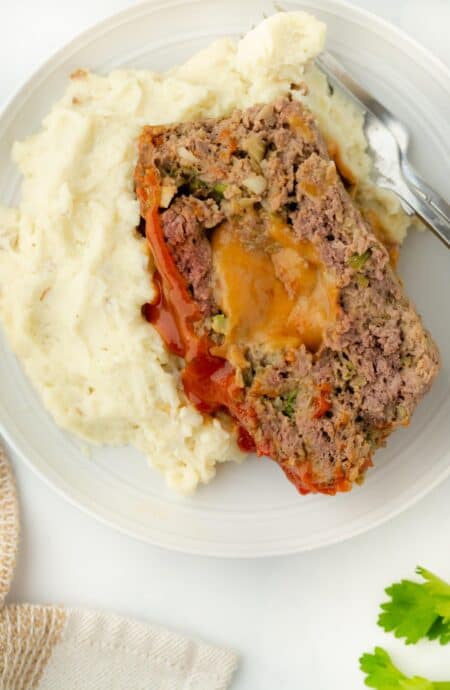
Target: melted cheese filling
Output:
{"points": [[275, 295]]}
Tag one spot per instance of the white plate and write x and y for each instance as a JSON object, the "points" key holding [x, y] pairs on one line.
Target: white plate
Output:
{"points": [[249, 510]]}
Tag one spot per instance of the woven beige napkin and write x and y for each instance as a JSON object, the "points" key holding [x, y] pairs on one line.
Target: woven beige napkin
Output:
{"points": [[50, 648]]}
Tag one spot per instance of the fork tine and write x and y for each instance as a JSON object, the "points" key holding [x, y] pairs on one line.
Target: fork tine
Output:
{"points": [[398, 173], [338, 75]]}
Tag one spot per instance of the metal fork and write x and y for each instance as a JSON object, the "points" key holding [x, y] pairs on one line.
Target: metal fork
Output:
{"points": [[388, 141]]}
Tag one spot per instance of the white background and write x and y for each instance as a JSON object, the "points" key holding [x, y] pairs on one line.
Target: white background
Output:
{"points": [[299, 622]]}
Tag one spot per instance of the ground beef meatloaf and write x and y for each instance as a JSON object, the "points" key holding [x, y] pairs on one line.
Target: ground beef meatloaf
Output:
{"points": [[277, 294]]}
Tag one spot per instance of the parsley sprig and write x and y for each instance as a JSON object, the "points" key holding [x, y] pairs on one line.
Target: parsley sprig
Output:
{"points": [[418, 610], [384, 675], [415, 611]]}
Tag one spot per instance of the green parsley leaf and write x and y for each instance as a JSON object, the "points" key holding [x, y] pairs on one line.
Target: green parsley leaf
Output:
{"points": [[439, 631], [382, 674], [418, 610], [289, 404], [439, 590]]}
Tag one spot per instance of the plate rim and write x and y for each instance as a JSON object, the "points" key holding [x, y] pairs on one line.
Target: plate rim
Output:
{"points": [[197, 547], [203, 546]]}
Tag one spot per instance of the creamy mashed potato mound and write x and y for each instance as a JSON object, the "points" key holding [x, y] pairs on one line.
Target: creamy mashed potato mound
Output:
{"points": [[74, 272]]}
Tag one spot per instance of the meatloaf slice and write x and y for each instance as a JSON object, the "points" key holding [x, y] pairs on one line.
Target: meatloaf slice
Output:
{"points": [[278, 294]]}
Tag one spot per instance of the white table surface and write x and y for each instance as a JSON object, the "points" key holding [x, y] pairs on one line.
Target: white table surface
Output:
{"points": [[299, 622]]}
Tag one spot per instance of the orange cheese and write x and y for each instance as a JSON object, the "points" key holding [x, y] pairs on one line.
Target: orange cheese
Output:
{"points": [[275, 295], [335, 154]]}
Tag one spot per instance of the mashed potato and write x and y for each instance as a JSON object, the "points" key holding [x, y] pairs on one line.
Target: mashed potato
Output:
{"points": [[74, 272]]}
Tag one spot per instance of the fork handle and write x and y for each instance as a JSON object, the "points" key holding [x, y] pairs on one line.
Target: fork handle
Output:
{"points": [[422, 189], [426, 210]]}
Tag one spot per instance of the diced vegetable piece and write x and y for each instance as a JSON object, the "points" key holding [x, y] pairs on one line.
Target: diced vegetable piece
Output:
{"points": [[195, 183], [255, 183], [348, 370], [220, 323], [288, 408], [362, 280], [402, 412], [186, 155], [358, 261], [407, 360], [167, 193], [255, 147], [220, 188], [358, 381]]}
